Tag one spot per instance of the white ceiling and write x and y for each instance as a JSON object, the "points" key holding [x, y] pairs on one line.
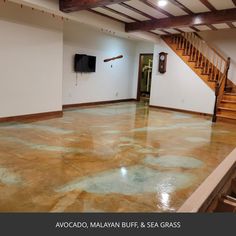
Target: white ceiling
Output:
{"points": [[145, 8], [186, 29], [128, 12], [222, 4], [158, 32], [172, 31], [194, 5], [171, 8], [109, 13], [202, 27], [221, 26]]}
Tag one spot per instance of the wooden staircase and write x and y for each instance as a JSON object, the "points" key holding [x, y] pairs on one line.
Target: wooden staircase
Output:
{"points": [[211, 67], [227, 201], [227, 107]]}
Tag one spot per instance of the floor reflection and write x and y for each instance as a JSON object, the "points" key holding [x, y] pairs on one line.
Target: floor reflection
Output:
{"points": [[113, 158]]}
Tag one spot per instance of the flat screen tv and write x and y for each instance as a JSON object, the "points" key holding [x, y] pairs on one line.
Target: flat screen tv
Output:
{"points": [[84, 63]]}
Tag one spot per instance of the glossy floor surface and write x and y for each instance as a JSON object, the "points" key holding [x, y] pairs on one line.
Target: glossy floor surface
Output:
{"points": [[115, 158]]}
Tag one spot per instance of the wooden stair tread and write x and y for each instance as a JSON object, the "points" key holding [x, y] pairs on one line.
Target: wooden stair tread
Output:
{"points": [[228, 101], [225, 205], [228, 201], [230, 94], [227, 109], [230, 198]]}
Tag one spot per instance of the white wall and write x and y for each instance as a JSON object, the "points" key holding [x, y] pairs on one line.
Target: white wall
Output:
{"points": [[224, 42], [179, 87], [107, 83], [141, 48], [31, 62]]}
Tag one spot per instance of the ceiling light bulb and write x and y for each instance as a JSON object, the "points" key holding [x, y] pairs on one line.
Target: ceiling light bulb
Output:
{"points": [[162, 3]]}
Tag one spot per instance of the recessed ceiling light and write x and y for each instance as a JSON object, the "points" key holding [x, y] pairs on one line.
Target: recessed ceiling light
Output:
{"points": [[162, 3]]}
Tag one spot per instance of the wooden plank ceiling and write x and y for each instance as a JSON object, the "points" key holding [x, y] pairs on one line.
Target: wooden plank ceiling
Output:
{"points": [[147, 15]]}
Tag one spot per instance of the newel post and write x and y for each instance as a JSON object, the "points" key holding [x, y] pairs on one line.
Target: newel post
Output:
{"points": [[216, 101], [227, 70]]}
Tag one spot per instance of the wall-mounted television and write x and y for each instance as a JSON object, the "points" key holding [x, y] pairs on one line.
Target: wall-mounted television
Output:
{"points": [[84, 63]]}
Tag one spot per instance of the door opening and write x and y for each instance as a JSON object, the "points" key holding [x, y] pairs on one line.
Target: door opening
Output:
{"points": [[144, 77]]}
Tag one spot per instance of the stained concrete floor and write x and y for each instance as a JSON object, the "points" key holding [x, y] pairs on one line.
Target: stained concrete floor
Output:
{"points": [[113, 158]]}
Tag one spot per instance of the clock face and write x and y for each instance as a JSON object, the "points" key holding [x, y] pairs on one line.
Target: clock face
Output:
{"points": [[162, 57]]}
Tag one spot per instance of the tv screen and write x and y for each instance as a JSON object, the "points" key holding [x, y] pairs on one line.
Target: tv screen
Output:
{"points": [[84, 63]]}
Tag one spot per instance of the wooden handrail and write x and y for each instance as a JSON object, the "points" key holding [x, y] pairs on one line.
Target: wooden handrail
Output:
{"points": [[207, 59], [212, 48], [221, 80], [209, 55]]}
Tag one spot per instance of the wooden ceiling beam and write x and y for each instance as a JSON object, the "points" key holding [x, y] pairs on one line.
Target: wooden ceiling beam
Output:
{"points": [[194, 28], [156, 8], [187, 10], [181, 6], [115, 19], [208, 5], [234, 2], [231, 25], [102, 14], [78, 5], [179, 30], [137, 11], [212, 27], [207, 18], [121, 14]]}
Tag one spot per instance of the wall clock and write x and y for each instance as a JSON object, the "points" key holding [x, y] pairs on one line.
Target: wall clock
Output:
{"points": [[162, 62]]}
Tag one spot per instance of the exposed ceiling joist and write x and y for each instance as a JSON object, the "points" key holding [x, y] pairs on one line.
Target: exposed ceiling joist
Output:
{"points": [[78, 5], [121, 14], [187, 10], [156, 8], [231, 25], [212, 27], [104, 15], [221, 16], [181, 6], [208, 5], [136, 10]]}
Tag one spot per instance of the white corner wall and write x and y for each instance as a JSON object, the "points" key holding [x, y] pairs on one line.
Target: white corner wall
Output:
{"points": [[111, 81], [31, 62], [224, 42], [179, 87]]}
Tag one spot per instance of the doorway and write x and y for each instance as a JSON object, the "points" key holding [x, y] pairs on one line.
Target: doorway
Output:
{"points": [[144, 77]]}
